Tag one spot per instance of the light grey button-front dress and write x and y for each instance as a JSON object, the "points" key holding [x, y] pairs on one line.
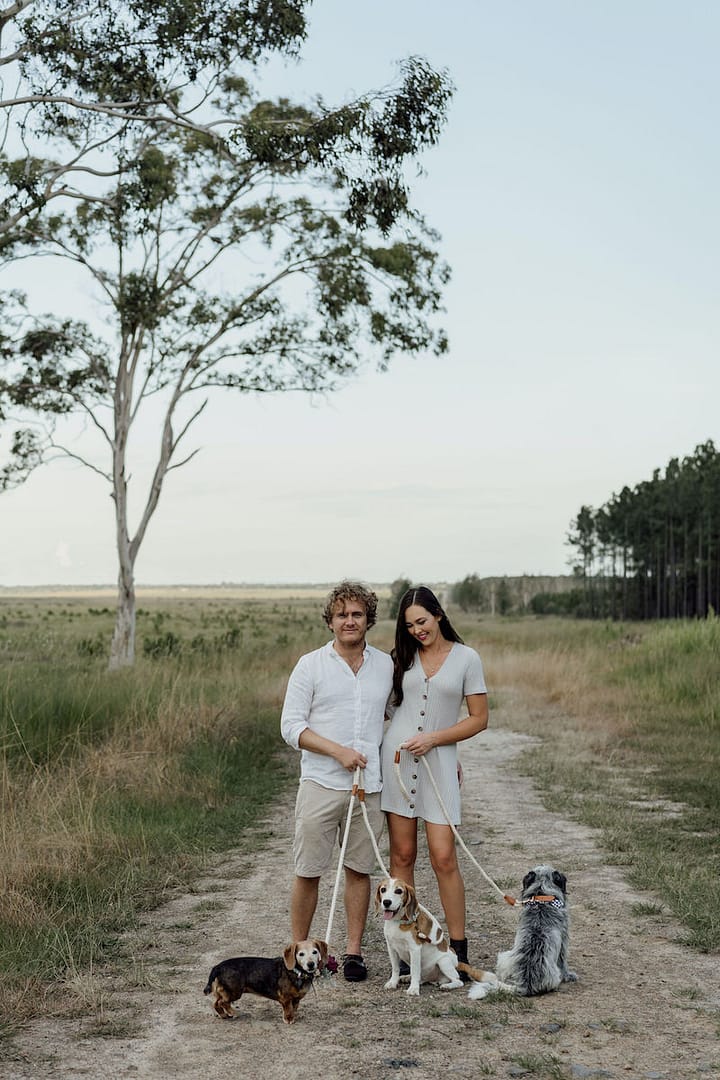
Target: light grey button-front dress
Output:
{"points": [[429, 704]]}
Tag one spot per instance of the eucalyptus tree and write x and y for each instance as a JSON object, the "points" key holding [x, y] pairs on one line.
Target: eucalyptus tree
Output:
{"points": [[75, 73], [314, 198]]}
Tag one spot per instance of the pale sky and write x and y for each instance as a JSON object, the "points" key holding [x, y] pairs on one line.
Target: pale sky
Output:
{"points": [[576, 191]]}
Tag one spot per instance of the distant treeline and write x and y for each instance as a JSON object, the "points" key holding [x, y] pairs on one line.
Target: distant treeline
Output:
{"points": [[653, 551]]}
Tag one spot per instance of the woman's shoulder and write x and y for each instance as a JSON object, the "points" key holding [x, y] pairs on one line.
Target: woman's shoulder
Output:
{"points": [[466, 654], [466, 651]]}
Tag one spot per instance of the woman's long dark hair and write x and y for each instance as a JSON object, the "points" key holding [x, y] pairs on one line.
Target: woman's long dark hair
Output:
{"points": [[405, 645]]}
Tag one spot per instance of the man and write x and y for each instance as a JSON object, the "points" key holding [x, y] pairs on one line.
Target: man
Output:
{"points": [[333, 712]]}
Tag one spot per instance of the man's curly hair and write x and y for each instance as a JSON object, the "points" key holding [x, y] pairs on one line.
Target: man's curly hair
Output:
{"points": [[351, 590]]}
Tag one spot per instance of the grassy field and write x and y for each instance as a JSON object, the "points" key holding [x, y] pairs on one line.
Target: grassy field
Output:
{"points": [[631, 745], [116, 787]]}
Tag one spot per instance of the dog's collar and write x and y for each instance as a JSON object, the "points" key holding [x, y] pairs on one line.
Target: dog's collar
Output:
{"points": [[554, 901], [302, 976]]}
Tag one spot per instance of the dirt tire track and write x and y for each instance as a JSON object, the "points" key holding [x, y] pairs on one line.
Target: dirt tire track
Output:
{"points": [[645, 1007]]}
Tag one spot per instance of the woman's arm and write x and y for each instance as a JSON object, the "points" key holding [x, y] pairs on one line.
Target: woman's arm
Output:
{"points": [[474, 722]]}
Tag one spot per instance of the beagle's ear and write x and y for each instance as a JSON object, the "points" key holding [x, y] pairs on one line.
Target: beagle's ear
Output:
{"points": [[289, 956], [410, 903], [322, 947], [377, 894]]}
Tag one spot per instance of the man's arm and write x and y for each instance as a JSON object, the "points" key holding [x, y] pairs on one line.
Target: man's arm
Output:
{"points": [[345, 755]]}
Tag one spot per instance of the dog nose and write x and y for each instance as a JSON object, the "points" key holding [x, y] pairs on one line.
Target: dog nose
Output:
{"points": [[387, 903], [311, 965]]}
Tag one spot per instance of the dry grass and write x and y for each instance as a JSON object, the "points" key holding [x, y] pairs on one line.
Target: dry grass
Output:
{"points": [[629, 718]]}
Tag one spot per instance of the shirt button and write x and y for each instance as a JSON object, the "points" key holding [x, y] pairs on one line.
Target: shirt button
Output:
{"points": [[414, 775], [413, 790], [424, 697], [416, 760], [412, 805], [420, 728]]}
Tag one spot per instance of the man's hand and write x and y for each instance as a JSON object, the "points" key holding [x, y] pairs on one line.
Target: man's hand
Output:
{"points": [[350, 759]]}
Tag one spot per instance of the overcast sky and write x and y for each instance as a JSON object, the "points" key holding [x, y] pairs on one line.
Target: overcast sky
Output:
{"points": [[576, 192]]}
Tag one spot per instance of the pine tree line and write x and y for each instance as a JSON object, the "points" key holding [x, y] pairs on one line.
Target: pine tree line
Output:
{"points": [[653, 551]]}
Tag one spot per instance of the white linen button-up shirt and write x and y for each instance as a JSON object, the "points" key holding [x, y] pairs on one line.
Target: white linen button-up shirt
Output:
{"points": [[324, 695]]}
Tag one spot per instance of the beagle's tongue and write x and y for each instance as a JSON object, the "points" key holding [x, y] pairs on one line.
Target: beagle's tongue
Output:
{"points": [[387, 914]]}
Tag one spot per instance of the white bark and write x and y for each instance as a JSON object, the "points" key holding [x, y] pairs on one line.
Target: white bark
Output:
{"points": [[122, 649]]}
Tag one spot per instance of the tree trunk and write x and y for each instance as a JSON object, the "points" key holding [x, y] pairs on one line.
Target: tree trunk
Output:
{"points": [[122, 649]]}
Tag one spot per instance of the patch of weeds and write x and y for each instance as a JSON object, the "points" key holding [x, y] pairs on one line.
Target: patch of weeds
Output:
{"points": [[412, 1023], [139, 979], [690, 993], [553, 1022], [465, 1012], [545, 1065], [515, 1002], [646, 909], [182, 926], [618, 1027], [210, 905], [115, 1028]]}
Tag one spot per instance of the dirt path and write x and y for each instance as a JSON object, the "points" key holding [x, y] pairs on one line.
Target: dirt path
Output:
{"points": [[645, 1007]]}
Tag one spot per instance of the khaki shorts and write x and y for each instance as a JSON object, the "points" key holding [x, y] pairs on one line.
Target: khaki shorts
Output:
{"points": [[320, 818]]}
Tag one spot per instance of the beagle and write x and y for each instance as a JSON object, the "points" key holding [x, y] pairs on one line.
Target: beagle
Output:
{"points": [[285, 978], [414, 935]]}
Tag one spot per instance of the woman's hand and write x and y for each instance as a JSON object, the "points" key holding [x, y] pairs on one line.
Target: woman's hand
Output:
{"points": [[419, 744]]}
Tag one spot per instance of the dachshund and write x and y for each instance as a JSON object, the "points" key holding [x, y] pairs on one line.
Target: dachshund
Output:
{"points": [[285, 978]]}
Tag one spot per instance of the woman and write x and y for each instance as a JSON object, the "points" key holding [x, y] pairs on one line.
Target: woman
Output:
{"points": [[433, 672]]}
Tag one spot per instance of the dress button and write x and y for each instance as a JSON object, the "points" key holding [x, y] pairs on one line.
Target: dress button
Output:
{"points": [[413, 790], [416, 760], [414, 775], [422, 712], [420, 728], [412, 805], [424, 697]]}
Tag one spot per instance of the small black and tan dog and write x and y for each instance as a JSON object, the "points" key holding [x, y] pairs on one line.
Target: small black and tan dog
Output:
{"points": [[285, 978]]}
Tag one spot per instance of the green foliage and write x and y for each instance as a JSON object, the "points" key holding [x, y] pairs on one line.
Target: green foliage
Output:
{"points": [[397, 590], [470, 594], [504, 597], [654, 551], [573, 602]]}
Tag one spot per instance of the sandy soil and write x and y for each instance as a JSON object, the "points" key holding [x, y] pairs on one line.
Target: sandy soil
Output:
{"points": [[645, 1006]]}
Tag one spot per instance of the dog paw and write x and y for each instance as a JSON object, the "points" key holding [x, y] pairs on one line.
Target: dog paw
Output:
{"points": [[391, 984], [451, 985], [413, 991], [570, 976]]}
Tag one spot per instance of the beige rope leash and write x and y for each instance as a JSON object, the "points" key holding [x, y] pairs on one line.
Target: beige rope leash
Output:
{"points": [[396, 768], [343, 849]]}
